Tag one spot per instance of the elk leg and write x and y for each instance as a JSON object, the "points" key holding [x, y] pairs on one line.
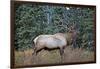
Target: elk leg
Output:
{"points": [[37, 49], [33, 54], [34, 51], [74, 44], [61, 53]]}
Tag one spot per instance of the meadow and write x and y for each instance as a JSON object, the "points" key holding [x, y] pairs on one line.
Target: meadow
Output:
{"points": [[71, 55]]}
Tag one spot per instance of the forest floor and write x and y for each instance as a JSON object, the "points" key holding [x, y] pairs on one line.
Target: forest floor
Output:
{"points": [[53, 57]]}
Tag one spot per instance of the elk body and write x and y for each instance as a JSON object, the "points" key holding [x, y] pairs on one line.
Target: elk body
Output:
{"points": [[50, 41]]}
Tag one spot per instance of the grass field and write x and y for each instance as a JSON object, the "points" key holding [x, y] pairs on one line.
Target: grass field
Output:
{"points": [[53, 57]]}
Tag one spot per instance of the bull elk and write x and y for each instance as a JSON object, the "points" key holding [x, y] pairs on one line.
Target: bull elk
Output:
{"points": [[58, 40]]}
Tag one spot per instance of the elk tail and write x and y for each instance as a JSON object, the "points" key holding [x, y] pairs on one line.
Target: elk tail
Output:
{"points": [[33, 46], [33, 43]]}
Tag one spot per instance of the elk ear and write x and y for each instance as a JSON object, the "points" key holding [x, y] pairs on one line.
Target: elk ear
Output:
{"points": [[68, 29], [72, 26]]}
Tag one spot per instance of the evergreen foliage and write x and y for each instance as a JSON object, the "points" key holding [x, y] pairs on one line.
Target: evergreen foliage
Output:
{"points": [[32, 20]]}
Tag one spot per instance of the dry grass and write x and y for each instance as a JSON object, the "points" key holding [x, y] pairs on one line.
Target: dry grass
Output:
{"points": [[53, 57]]}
